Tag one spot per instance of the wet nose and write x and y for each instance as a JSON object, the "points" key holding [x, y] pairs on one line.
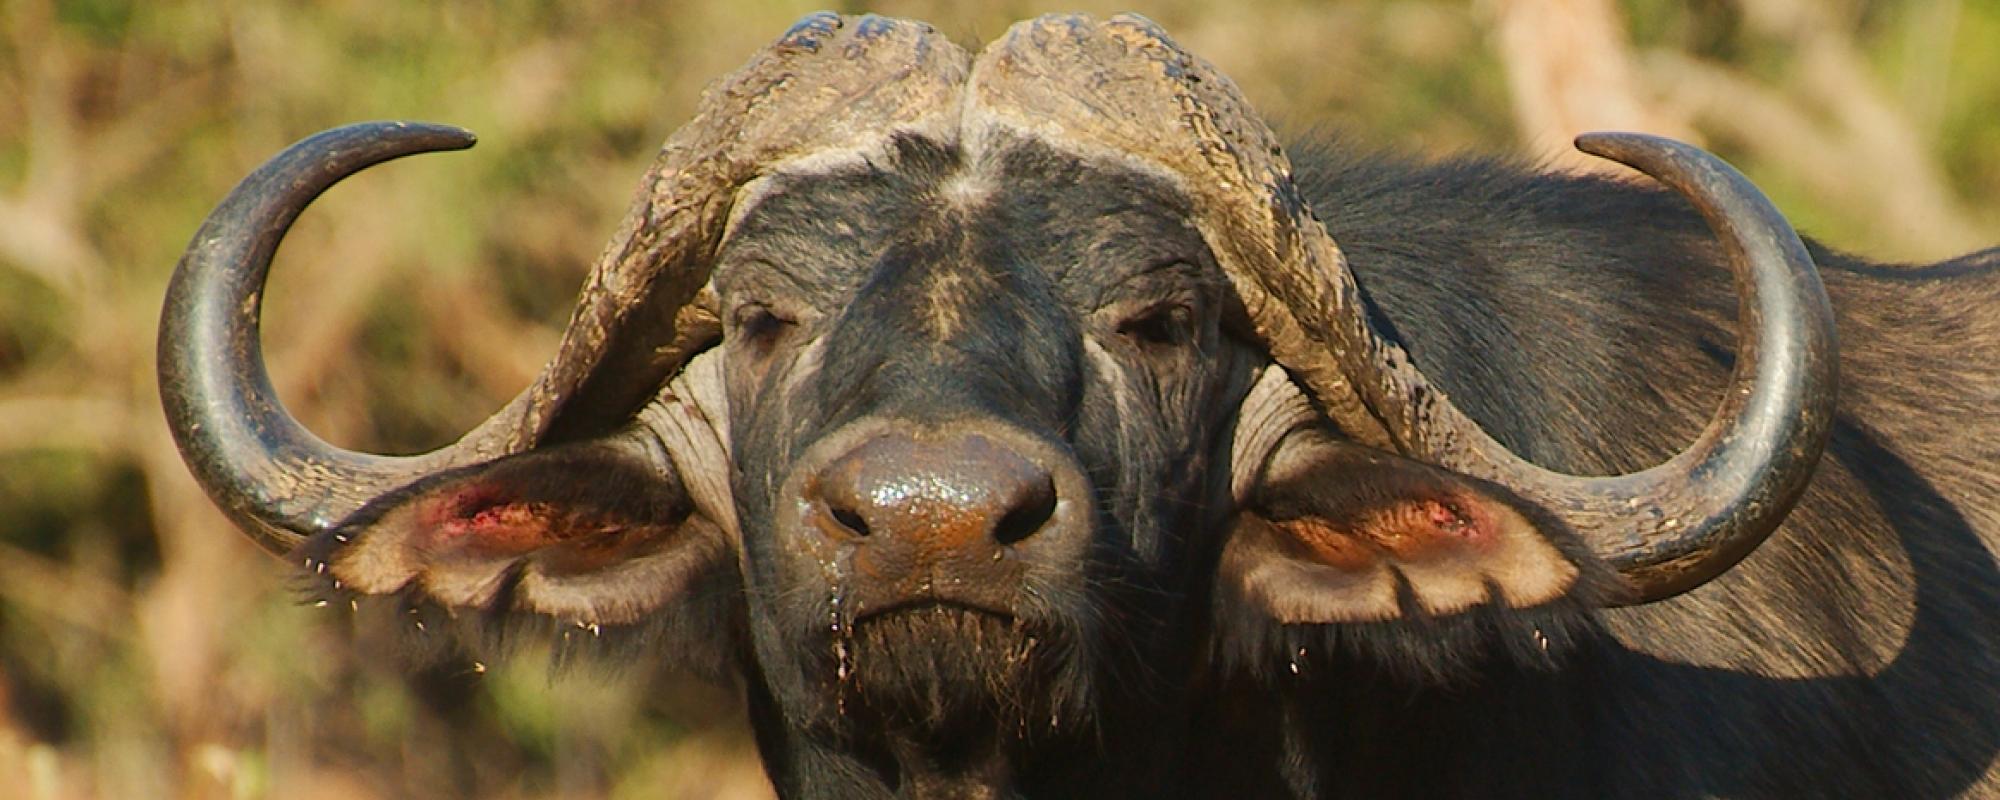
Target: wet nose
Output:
{"points": [[941, 499]]}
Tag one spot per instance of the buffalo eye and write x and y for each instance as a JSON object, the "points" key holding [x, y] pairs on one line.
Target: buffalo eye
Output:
{"points": [[760, 326], [1163, 325]]}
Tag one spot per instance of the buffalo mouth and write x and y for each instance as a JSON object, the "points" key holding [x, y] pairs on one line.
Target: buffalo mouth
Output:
{"points": [[930, 608], [927, 629]]}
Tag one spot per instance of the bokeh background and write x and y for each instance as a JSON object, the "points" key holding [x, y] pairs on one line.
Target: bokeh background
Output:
{"points": [[146, 651]]}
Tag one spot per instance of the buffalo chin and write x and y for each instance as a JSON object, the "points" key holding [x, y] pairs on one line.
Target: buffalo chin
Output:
{"points": [[963, 673]]}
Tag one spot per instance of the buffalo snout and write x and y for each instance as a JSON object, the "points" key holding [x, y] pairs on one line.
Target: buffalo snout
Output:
{"points": [[962, 516]]}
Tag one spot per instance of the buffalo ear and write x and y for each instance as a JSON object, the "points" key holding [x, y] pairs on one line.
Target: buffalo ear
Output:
{"points": [[598, 533], [1346, 547]]}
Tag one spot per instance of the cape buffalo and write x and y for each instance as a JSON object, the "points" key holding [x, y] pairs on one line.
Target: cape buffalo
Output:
{"points": [[1016, 424]]}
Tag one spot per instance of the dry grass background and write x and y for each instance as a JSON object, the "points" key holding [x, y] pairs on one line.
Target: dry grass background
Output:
{"points": [[148, 652]]}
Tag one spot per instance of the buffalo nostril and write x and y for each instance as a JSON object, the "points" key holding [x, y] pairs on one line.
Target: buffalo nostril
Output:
{"points": [[1030, 512], [963, 494], [851, 523]]}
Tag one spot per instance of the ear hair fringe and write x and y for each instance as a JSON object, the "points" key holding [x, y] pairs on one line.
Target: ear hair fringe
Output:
{"points": [[1419, 648], [696, 636]]}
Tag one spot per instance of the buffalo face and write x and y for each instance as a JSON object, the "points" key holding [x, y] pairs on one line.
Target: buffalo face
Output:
{"points": [[972, 410]]}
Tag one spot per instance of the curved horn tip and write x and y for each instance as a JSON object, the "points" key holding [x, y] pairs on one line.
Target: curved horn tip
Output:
{"points": [[450, 137], [1603, 143], [1657, 156], [418, 137], [1789, 374], [224, 416], [464, 137]]}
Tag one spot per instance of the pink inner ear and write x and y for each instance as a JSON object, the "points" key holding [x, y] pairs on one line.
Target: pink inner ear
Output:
{"points": [[1332, 545], [483, 519], [1410, 529], [1462, 518]]}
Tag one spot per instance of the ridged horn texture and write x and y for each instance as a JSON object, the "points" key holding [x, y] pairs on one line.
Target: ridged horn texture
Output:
{"points": [[1123, 89], [830, 82]]}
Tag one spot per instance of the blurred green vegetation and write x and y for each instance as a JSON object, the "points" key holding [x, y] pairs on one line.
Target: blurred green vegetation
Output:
{"points": [[148, 652]]}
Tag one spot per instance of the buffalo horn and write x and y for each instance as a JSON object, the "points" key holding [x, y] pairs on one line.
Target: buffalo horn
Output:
{"points": [[1122, 88], [830, 82]]}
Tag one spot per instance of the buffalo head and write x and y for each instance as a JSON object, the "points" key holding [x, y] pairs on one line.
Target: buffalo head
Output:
{"points": [[963, 404]]}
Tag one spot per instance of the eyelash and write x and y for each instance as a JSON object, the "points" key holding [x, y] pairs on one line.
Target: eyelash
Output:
{"points": [[1162, 325], [759, 325]]}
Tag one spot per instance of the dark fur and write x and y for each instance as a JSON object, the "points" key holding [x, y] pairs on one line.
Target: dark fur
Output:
{"points": [[1586, 323]]}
